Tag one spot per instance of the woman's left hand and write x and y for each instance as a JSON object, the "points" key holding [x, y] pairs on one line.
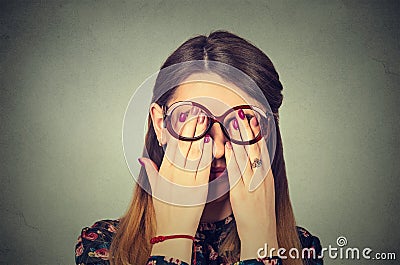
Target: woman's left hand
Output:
{"points": [[252, 193]]}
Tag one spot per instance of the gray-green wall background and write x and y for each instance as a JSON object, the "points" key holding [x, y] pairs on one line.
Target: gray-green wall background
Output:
{"points": [[69, 68]]}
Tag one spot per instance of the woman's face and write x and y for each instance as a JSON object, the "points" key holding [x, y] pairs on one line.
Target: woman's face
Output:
{"points": [[218, 99], [193, 146]]}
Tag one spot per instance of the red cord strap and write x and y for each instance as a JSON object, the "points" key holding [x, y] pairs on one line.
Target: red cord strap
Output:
{"points": [[158, 239]]}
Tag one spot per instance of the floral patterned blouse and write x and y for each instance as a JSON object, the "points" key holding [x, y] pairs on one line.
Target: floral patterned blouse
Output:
{"points": [[94, 243]]}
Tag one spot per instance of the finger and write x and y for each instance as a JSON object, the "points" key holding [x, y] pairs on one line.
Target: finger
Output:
{"points": [[264, 170], [170, 189], [187, 123], [194, 125], [200, 126], [249, 130], [240, 152], [176, 151], [172, 154], [234, 172], [194, 153], [203, 170], [173, 149], [181, 117], [238, 124]]}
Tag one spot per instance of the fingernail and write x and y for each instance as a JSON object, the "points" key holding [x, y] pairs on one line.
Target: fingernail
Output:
{"points": [[182, 117], [228, 145], [201, 119], [140, 162], [241, 114], [254, 121], [195, 111], [235, 124], [207, 138]]}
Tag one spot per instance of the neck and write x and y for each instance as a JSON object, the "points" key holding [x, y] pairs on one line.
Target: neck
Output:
{"points": [[216, 210]]}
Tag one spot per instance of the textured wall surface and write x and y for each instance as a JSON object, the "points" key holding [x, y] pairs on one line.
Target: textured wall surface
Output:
{"points": [[68, 69]]}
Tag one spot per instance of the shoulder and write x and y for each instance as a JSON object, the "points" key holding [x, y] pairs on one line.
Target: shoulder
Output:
{"points": [[310, 241], [94, 242]]}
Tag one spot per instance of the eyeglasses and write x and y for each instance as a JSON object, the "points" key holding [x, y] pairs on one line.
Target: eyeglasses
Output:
{"points": [[242, 125]]}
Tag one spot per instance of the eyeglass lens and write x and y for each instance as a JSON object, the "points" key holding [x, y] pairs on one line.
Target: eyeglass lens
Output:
{"points": [[191, 121]]}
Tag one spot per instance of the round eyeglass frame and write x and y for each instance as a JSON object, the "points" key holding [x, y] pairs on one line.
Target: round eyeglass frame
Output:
{"points": [[167, 110]]}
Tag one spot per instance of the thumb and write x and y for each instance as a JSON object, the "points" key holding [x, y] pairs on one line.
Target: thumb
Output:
{"points": [[151, 169]]}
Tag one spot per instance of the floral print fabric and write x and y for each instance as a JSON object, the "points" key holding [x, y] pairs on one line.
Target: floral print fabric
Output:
{"points": [[92, 247], [94, 243]]}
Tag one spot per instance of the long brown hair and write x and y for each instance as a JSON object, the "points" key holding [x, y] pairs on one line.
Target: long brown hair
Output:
{"points": [[131, 244]]}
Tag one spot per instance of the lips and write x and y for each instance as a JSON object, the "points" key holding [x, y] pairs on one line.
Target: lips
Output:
{"points": [[216, 172], [217, 169]]}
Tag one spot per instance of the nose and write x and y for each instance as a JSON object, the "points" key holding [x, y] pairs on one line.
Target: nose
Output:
{"points": [[219, 139]]}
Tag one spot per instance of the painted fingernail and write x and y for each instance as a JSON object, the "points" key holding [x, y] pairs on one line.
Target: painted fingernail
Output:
{"points": [[201, 119], [241, 114], [235, 124], [207, 138], [254, 121], [228, 145], [195, 111], [182, 117], [140, 162]]}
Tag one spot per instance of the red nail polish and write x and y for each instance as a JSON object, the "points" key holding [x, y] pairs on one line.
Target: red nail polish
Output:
{"points": [[207, 138], [235, 124], [241, 114], [182, 117]]}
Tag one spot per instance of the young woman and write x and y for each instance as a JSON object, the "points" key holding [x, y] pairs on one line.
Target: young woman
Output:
{"points": [[213, 174]]}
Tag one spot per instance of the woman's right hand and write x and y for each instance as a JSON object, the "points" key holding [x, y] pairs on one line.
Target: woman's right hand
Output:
{"points": [[185, 163]]}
